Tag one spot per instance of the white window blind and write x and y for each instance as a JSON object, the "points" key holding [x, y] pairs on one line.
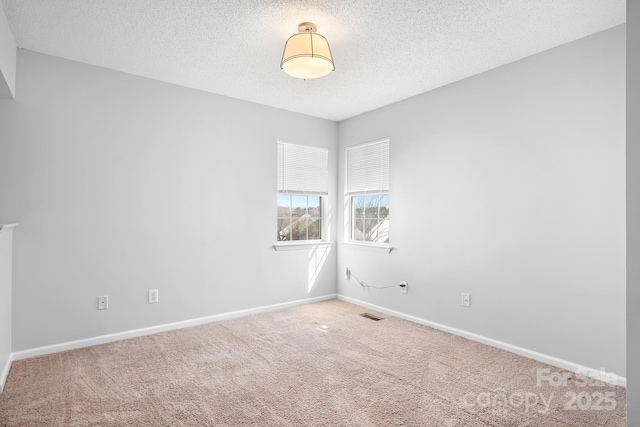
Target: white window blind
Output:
{"points": [[367, 168], [302, 169]]}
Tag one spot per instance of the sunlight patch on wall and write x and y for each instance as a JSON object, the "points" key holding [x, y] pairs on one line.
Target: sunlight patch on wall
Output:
{"points": [[317, 257]]}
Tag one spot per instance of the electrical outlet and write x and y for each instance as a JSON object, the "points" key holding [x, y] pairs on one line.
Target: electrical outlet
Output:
{"points": [[404, 287], [466, 300], [103, 303], [153, 296], [347, 273]]}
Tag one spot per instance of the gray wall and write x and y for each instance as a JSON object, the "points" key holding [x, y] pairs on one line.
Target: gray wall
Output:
{"points": [[7, 58], [510, 186], [633, 213], [123, 184]]}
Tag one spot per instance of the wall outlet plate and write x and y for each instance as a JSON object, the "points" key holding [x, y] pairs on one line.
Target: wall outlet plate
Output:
{"points": [[404, 289], [103, 303], [466, 300], [153, 296]]}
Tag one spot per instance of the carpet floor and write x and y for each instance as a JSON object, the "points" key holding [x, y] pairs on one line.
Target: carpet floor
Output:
{"points": [[314, 365]]}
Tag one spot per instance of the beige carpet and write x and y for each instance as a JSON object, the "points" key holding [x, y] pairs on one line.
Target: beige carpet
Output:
{"points": [[315, 365]]}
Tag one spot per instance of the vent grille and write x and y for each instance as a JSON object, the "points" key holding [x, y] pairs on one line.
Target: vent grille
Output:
{"points": [[371, 316]]}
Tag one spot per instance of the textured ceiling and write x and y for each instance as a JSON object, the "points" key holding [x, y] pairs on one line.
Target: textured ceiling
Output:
{"points": [[384, 51]]}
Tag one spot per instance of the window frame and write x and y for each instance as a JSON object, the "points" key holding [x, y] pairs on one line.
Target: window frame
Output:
{"points": [[351, 194], [365, 218], [321, 192], [320, 218]]}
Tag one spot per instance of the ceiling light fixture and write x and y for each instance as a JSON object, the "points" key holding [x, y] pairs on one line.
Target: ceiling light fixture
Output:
{"points": [[307, 54]]}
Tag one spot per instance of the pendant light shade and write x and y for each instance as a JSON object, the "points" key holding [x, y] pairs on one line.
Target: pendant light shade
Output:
{"points": [[307, 54]]}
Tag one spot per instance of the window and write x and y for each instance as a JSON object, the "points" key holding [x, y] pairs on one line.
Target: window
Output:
{"points": [[370, 218], [303, 173], [367, 190], [299, 217]]}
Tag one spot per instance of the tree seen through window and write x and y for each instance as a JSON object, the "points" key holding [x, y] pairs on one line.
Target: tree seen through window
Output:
{"points": [[370, 218]]}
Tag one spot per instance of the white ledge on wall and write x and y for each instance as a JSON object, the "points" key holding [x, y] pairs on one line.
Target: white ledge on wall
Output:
{"points": [[369, 247], [7, 226], [300, 246]]}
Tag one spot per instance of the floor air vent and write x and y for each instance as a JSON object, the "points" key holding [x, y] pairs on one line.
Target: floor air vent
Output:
{"points": [[371, 316]]}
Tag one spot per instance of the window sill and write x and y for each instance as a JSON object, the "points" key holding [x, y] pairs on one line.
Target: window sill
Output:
{"points": [[370, 247], [300, 246], [7, 226]]}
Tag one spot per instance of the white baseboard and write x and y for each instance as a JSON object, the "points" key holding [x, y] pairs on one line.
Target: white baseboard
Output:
{"points": [[554, 361], [103, 339], [5, 372]]}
